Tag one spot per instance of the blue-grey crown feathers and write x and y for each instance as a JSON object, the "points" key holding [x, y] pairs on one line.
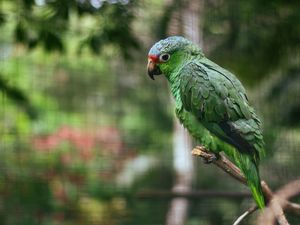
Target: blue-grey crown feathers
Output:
{"points": [[172, 44]]}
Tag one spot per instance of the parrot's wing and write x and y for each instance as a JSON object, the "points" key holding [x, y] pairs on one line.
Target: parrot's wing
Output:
{"points": [[211, 95], [219, 101]]}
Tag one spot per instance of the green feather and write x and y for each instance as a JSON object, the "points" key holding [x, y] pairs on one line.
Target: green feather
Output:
{"points": [[251, 172]]}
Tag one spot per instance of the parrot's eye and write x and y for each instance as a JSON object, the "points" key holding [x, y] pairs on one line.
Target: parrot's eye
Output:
{"points": [[164, 57]]}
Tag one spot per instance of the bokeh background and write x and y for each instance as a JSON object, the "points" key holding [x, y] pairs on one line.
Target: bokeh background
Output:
{"points": [[84, 133]]}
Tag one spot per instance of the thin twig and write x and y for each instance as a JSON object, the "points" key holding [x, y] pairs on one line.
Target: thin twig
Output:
{"points": [[149, 194], [292, 207], [245, 214]]}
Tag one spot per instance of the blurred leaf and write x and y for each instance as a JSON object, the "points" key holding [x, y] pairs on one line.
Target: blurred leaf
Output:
{"points": [[28, 4], [47, 24], [20, 33], [2, 18], [19, 97], [51, 41]]}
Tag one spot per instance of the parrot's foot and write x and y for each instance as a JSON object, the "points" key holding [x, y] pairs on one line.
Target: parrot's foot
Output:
{"points": [[208, 157]]}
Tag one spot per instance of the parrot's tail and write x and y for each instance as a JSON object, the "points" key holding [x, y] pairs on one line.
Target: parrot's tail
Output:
{"points": [[251, 172]]}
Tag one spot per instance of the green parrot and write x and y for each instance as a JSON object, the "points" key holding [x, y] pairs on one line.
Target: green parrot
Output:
{"points": [[212, 105]]}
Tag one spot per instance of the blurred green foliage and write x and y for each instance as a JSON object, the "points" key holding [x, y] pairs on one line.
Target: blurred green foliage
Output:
{"points": [[258, 36], [77, 109]]}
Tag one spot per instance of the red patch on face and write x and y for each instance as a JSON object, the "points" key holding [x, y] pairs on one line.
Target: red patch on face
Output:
{"points": [[154, 58]]}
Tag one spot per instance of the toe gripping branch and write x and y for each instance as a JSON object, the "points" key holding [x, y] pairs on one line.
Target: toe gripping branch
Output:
{"points": [[208, 157]]}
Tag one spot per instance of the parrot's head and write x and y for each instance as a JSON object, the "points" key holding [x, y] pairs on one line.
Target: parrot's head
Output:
{"points": [[168, 54]]}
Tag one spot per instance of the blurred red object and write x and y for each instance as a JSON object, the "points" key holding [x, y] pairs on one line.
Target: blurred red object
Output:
{"points": [[106, 139]]}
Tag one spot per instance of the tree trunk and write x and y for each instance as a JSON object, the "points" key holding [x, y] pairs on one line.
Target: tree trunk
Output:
{"points": [[184, 21]]}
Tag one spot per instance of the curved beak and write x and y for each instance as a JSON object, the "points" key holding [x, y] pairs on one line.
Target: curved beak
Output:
{"points": [[153, 69]]}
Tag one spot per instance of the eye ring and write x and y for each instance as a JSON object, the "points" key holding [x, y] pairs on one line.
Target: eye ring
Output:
{"points": [[164, 57]]}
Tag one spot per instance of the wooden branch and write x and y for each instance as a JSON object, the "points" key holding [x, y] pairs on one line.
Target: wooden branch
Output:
{"points": [[280, 199], [192, 194], [222, 162], [245, 214], [289, 190], [292, 207], [275, 202]]}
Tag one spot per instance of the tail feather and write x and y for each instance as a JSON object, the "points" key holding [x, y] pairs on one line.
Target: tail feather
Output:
{"points": [[251, 172], [257, 195]]}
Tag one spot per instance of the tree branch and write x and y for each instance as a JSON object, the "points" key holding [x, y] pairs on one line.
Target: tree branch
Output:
{"points": [[149, 194], [245, 214], [276, 202], [221, 162], [280, 202]]}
